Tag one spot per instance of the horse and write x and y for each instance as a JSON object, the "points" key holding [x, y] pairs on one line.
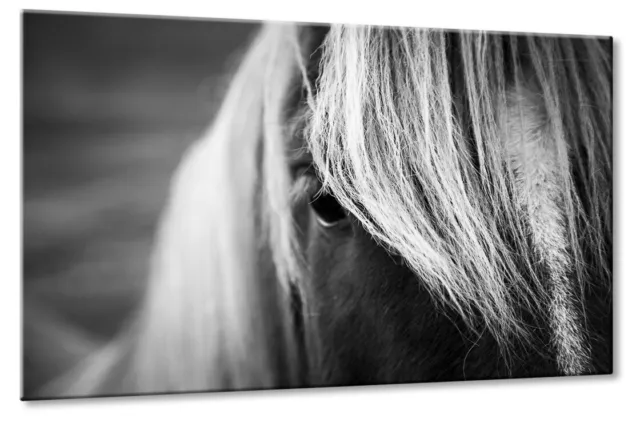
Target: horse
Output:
{"points": [[378, 205]]}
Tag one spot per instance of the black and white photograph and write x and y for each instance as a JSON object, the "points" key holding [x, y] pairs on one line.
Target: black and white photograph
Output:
{"points": [[217, 207], [311, 205]]}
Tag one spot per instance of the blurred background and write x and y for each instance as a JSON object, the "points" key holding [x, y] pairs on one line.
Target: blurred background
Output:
{"points": [[109, 105]]}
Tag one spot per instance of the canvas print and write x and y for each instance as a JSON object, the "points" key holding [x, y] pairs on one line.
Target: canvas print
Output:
{"points": [[216, 205]]}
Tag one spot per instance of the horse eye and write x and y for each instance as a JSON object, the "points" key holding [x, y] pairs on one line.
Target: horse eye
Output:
{"points": [[327, 209]]}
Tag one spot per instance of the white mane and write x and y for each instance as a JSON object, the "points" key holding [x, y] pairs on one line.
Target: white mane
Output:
{"points": [[477, 220]]}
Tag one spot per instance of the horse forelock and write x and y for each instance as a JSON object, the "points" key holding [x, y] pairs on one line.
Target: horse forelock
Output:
{"points": [[389, 133]]}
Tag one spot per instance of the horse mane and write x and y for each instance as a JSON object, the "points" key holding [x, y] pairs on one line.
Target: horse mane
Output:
{"points": [[203, 324], [384, 128], [407, 132]]}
